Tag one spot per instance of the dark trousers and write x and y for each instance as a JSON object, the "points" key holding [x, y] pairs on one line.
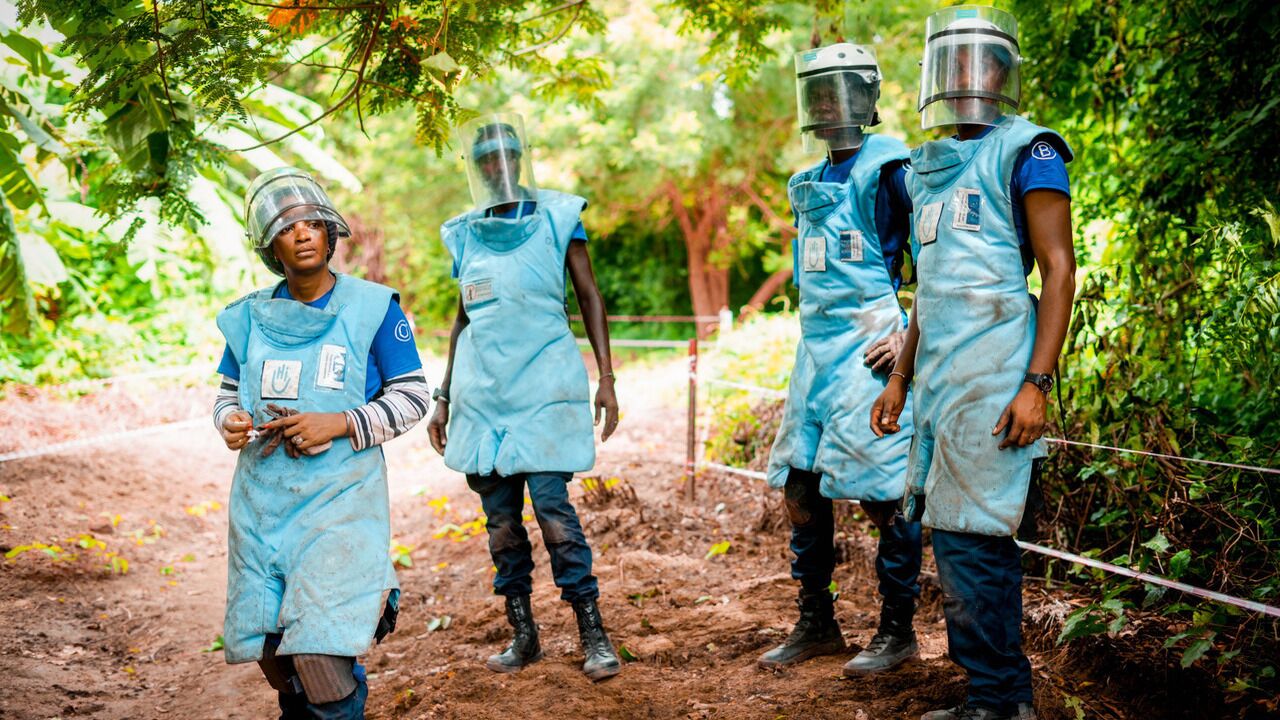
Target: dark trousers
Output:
{"points": [[981, 577], [503, 501], [813, 542]]}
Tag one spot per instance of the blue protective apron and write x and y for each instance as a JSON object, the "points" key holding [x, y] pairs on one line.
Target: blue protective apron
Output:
{"points": [[847, 303], [308, 536], [977, 329], [520, 399]]}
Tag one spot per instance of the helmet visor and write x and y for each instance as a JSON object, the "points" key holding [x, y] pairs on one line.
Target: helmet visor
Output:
{"points": [[499, 167], [969, 74], [278, 198]]}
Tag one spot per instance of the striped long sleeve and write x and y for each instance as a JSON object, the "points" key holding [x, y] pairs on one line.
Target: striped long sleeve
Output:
{"points": [[404, 401], [227, 401]]}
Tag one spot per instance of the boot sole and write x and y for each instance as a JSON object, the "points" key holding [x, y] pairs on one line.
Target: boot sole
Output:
{"points": [[500, 668], [860, 672], [603, 673], [813, 652]]}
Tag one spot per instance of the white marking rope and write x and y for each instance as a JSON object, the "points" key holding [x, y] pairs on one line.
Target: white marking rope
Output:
{"points": [[770, 392], [754, 474], [1236, 466], [1153, 579], [109, 437]]}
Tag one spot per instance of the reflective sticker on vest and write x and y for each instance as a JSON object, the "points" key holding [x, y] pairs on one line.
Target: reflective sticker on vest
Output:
{"points": [[927, 222], [280, 379], [968, 215], [478, 292], [333, 367], [815, 254], [851, 245]]}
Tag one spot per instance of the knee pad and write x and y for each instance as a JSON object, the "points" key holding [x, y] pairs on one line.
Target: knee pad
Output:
{"points": [[798, 498], [279, 669], [325, 678]]}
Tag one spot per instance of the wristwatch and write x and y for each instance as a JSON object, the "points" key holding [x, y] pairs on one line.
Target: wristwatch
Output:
{"points": [[1042, 381], [440, 395]]}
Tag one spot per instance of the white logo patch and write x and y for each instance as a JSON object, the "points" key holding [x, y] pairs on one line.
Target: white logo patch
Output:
{"points": [[402, 331], [1043, 151], [475, 293], [815, 254], [927, 222], [280, 379], [333, 367]]}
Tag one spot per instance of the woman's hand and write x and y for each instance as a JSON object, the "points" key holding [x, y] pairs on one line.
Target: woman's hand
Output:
{"points": [[310, 432], [235, 429], [1025, 418], [436, 427], [883, 353], [607, 403], [888, 407]]}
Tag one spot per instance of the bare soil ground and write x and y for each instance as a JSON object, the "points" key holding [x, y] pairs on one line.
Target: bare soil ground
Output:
{"points": [[78, 640]]}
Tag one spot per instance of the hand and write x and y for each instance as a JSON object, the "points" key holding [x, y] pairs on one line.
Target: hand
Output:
{"points": [[1024, 417], [883, 353], [235, 429], [436, 427], [888, 407], [607, 403], [309, 432]]}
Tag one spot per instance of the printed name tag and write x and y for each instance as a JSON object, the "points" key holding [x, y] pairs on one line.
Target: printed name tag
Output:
{"points": [[333, 367], [851, 246], [968, 214], [815, 254], [478, 292], [927, 222], [280, 379]]}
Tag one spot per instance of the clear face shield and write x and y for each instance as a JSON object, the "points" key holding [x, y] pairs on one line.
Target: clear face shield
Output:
{"points": [[499, 167], [836, 92], [278, 198], [969, 75]]}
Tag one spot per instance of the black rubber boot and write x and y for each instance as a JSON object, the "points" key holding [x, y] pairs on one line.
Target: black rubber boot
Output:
{"points": [[893, 644], [601, 661], [524, 648], [816, 632]]}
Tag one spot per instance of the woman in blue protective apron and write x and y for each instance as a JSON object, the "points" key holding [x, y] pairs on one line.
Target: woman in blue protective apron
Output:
{"points": [[852, 214], [514, 410], [989, 202], [309, 582]]}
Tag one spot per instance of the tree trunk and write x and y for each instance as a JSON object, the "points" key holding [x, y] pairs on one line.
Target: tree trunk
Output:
{"points": [[703, 219]]}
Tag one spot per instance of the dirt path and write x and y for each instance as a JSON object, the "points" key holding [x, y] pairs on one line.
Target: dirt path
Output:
{"points": [[76, 641]]}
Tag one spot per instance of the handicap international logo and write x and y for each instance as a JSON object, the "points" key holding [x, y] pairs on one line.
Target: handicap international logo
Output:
{"points": [[402, 331], [1043, 151]]}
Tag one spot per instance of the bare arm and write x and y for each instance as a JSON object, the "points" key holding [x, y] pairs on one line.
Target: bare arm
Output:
{"points": [[440, 418], [1049, 230], [888, 407], [597, 325]]}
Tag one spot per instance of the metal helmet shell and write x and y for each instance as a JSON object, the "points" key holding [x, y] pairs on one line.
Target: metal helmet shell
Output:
{"points": [[283, 196]]}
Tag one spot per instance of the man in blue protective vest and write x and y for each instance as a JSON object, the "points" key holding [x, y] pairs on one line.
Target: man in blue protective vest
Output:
{"points": [[518, 389], [989, 202], [317, 358], [852, 212]]}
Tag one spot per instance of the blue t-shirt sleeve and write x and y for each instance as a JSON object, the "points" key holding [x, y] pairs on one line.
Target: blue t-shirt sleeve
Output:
{"points": [[393, 349], [579, 233], [893, 212], [1039, 167], [228, 365]]}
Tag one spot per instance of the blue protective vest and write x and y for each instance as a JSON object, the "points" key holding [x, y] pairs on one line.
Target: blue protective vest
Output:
{"points": [[520, 399], [977, 329], [847, 302], [308, 536]]}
